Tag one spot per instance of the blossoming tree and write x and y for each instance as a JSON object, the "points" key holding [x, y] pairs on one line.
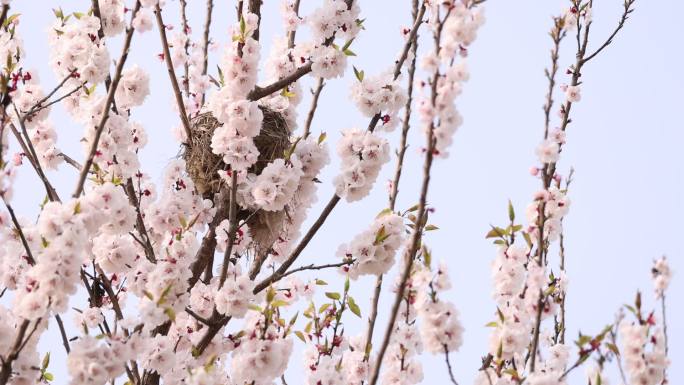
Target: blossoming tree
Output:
{"points": [[198, 279]]}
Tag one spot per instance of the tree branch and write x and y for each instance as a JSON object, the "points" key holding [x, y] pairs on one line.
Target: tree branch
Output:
{"points": [[172, 75], [108, 104]]}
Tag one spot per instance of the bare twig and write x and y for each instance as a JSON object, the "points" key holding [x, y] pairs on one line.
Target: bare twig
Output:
{"points": [[625, 15], [279, 273], [206, 40], [292, 34], [314, 105], [20, 232], [172, 75], [62, 331], [448, 364], [317, 267], [232, 227]]}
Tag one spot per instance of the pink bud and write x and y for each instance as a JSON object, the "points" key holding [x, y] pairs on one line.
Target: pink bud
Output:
{"points": [[17, 159], [534, 171]]}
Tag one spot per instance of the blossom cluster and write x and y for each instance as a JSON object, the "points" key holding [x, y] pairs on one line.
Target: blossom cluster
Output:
{"points": [[380, 95], [241, 119], [373, 251], [362, 154]]}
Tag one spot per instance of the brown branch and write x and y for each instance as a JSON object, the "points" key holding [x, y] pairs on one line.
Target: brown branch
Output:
{"points": [[557, 34], [186, 31], [625, 15], [317, 267], [279, 273], [62, 331], [232, 227], [254, 7], [20, 232], [260, 92], [30, 152], [140, 222], [172, 75], [108, 104], [420, 220], [292, 34], [17, 347], [3, 13], [397, 174], [314, 105], [206, 41], [448, 364]]}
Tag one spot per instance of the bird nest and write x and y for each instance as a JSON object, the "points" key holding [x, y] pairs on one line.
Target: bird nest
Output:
{"points": [[203, 165]]}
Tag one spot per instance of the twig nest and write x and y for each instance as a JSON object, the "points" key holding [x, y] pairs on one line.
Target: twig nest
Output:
{"points": [[203, 166]]}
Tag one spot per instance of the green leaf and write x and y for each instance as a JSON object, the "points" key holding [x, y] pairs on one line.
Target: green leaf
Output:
{"points": [[243, 25], [300, 335], [279, 303], [323, 308], [78, 15], [321, 137], [321, 282], [332, 295], [431, 228], [496, 232], [511, 211], [384, 212], [348, 44], [10, 19], [222, 80], [492, 324], [170, 313], [48, 376], [46, 361], [346, 285], [354, 307], [359, 74], [349, 52]]}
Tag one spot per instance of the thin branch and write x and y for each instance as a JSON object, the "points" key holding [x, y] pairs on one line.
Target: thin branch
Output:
{"points": [[254, 7], [108, 104], [317, 267], [292, 34], [30, 152], [186, 31], [448, 364], [314, 105], [69, 160], [625, 15], [397, 175], [20, 232], [410, 255], [232, 227], [62, 331], [6, 368], [279, 273], [172, 75], [206, 40]]}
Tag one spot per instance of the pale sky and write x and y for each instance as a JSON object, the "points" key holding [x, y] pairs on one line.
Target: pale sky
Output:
{"points": [[624, 144]]}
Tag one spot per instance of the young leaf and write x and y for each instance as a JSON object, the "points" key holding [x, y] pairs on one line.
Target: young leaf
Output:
{"points": [[331, 295], [354, 307]]}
